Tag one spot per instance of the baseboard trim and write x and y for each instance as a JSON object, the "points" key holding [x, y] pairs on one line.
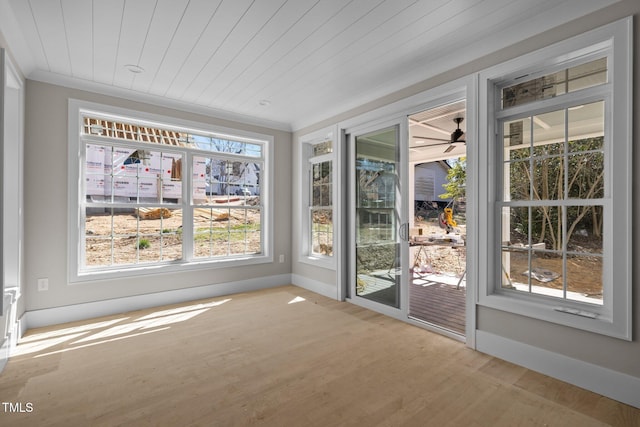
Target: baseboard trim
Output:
{"points": [[72, 313], [615, 385], [324, 289]]}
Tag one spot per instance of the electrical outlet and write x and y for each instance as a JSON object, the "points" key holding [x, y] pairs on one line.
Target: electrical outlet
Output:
{"points": [[281, 259], [43, 284]]}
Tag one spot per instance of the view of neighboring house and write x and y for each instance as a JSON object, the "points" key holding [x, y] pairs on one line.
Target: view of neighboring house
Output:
{"points": [[429, 179]]}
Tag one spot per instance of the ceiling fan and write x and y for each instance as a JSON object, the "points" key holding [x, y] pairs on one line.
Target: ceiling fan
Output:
{"points": [[456, 136]]}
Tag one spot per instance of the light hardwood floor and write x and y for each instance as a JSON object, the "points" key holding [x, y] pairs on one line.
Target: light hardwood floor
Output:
{"points": [[278, 357]]}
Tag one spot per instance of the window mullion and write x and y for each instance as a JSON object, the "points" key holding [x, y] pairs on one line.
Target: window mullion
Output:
{"points": [[187, 210], [565, 166]]}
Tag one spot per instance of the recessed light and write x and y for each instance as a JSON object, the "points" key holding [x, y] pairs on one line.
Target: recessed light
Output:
{"points": [[135, 69]]}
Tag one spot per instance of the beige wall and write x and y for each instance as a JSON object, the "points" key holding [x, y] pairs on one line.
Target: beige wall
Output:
{"points": [[46, 206], [614, 354]]}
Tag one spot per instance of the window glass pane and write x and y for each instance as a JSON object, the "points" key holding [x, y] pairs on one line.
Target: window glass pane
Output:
{"points": [[321, 184], [515, 226], [586, 136], [96, 157], [571, 79], [532, 90], [545, 274], [225, 145], [549, 133], [171, 234], [220, 181], [122, 129], [98, 188], [515, 260], [244, 231], [584, 278], [322, 232], [203, 221], [587, 75], [243, 180], [201, 179], [376, 183], [546, 227], [171, 178], [586, 175], [224, 232], [587, 144], [521, 152], [131, 176], [548, 159], [519, 180], [128, 236], [515, 247], [548, 178], [517, 135], [585, 229], [130, 131], [148, 190], [517, 154], [531, 261], [98, 251], [149, 248], [325, 147], [586, 126], [125, 249]]}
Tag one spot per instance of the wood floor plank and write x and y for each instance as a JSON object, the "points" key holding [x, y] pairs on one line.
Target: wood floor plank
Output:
{"points": [[278, 357]]}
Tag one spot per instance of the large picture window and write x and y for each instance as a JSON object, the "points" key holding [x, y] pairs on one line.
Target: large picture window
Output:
{"points": [[155, 194], [559, 173]]}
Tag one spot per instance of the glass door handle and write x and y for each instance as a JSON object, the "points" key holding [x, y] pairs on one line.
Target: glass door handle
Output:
{"points": [[404, 231]]}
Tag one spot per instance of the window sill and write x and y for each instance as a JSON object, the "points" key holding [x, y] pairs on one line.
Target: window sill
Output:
{"points": [[90, 276], [558, 312], [319, 261]]}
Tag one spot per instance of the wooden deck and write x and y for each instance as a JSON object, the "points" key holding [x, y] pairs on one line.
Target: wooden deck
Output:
{"points": [[433, 298], [437, 300]]}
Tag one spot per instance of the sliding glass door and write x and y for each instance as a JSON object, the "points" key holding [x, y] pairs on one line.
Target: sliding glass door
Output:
{"points": [[379, 232]]}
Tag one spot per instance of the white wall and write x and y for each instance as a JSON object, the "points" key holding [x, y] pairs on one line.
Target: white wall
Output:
{"points": [[45, 194]]}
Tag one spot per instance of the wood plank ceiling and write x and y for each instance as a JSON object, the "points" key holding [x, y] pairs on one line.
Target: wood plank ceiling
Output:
{"points": [[287, 63]]}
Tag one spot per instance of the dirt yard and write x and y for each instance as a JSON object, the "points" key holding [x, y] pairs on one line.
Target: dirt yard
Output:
{"points": [[584, 274], [218, 232], [222, 232], [440, 259]]}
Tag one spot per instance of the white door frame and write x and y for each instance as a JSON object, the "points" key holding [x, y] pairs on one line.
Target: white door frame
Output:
{"points": [[465, 88], [401, 208]]}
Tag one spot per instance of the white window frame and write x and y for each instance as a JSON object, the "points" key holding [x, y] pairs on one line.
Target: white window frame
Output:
{"points": [[614, 317], [77, 110], [306, 143]]}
